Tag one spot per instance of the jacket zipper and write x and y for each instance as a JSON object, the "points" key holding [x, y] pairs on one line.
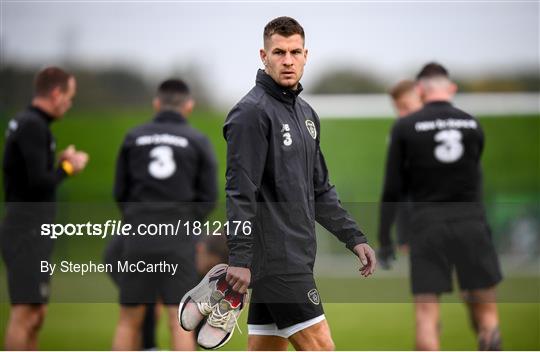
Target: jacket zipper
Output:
{"points": [[296, 119]]}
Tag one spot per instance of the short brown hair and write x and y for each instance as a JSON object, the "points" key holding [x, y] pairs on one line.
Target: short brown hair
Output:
{"points": [[432, 69], [50, 78], [173, 93], [284, 26], [401, 88]]}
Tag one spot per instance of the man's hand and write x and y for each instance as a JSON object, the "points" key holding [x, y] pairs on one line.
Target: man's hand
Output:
{"points": [[79, 161], [67, 153], [386, 257], [367, 258], [238, 278]]}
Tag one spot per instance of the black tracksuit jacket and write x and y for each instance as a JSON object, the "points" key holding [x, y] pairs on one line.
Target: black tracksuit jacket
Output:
{"points": [[31, 178], [31, 173], [277, 179]]}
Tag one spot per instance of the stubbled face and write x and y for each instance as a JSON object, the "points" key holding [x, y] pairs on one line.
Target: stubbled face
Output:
{"points": [[62, 100], [284, 59], [408, 103]]}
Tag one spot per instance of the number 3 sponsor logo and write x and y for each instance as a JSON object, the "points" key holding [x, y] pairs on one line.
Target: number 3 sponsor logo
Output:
{"points": [[287, 140], [162, 165], [450, 148]]}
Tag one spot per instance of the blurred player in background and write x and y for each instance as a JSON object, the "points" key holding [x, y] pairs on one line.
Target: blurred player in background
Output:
{"points": [[166, 171], [278, 182], [32, 175], [113, 253], [434, 158], [406, 100], [211, 251]]}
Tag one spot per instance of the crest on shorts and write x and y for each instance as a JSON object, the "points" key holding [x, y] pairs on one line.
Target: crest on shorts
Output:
{"points": [[311, 128], [44, 290], [313, 296]]}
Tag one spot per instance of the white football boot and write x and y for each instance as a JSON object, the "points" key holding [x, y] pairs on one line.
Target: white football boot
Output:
{"points": [[199, 301], [223, 319]]}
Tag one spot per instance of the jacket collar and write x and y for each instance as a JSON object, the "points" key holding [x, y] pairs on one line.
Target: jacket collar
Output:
{"points": [[169, 116], [281, 93], [47, 117], [439, 103]]}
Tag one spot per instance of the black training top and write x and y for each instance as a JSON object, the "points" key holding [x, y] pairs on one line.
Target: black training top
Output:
{"points": [[277, 179], [169, 162], [433, 156], [31, 173]]}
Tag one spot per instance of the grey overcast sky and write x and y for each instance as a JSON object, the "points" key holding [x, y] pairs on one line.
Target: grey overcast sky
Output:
{"points": [[392, 39]]}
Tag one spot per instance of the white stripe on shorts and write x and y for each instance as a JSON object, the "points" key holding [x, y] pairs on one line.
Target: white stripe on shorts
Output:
{"points": [[272, 329]]}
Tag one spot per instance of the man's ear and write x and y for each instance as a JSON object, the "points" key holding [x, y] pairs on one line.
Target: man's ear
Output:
{"points": [[419, 89], [190, 105], [453, 88], [55, 94], [156, 104], [264, 56], [305, 54]]}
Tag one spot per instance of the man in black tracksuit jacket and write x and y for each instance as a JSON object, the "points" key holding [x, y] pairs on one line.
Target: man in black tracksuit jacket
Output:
{"points": [[166, 172], [277, 181], [275, 133]]}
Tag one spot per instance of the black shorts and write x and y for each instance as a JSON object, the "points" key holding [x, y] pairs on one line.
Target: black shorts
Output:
{"points": [[282, 305], [144, 288], [113, 253], [23, 251], [403, 225], [439, 246]]}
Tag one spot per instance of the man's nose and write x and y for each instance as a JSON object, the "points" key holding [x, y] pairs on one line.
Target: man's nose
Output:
{"points": [[287, 60]]}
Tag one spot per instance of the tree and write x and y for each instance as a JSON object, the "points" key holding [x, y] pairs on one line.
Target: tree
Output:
{"points": [[347, 81]]}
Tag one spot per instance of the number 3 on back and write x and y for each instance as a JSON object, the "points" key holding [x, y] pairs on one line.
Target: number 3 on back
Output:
{"points": [[162, 165], [450, 148]]}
